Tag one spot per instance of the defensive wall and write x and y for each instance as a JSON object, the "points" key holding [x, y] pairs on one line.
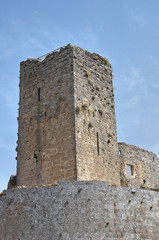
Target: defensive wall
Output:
{"points": [[144, 167], [79, 211], [67, 131]]}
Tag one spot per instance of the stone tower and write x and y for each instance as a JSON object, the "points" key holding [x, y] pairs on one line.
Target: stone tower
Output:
{"points": [[67, 127]]}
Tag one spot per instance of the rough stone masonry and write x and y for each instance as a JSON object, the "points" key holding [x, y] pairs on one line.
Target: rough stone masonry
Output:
{"points": [[67, 131], [67, 127], [79, 211]]}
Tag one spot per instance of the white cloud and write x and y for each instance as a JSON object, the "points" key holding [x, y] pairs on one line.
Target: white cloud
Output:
{"points": [[132, 78], [138, 17], [42, 37], [132, 86], [132, 102], [6, 146]]}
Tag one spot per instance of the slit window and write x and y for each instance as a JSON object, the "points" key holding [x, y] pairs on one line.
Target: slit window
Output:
{"points": [[130, 170], [97, 143], [39, 94]]}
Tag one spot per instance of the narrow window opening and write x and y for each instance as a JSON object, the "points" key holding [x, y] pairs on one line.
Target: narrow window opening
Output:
{"points": [[97, 143], [39, 94], [119, 152], [144, 181], [153, 158], [130, 170]]}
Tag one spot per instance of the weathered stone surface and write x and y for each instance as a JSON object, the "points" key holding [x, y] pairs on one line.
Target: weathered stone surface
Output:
{"points": [[146, 167], [79, 210], [46, 145], [67, 128], [96, 137], [67, 131], [12, 181]]}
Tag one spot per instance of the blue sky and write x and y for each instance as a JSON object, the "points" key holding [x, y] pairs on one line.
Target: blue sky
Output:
{"points": [[124, 31]]}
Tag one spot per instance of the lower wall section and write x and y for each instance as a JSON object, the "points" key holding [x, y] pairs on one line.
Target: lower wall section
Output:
{"points": [[79, 211]]}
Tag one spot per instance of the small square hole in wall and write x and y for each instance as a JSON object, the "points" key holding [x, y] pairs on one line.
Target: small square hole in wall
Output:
{"points": [[130, 170]]}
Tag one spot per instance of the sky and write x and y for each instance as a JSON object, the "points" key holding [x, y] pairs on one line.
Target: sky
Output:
{"points": [[124, 31]]}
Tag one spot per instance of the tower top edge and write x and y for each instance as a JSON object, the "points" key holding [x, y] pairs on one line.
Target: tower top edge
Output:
{"points": [[43, 57]]}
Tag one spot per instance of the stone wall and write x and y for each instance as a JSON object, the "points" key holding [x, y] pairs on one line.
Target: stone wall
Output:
{"points": [[79, 210], [46, 141], [146, 167], [96, 137], [67, 127]]}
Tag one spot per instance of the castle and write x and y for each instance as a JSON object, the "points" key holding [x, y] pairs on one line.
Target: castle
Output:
{"points": [[67, 133]]}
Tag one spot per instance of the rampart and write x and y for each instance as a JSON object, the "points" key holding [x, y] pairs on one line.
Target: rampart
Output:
{"points": [[67, 131], [79, 210], [144, 166]]}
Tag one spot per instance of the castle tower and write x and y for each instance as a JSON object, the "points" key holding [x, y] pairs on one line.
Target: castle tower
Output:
{"points": [[67, 127]]}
